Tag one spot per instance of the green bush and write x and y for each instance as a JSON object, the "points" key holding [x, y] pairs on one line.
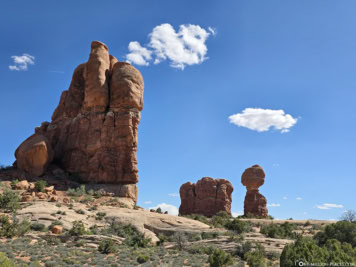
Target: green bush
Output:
{"points": [[77, 229], [100, 215], [107, 246], [256, 258], [238, 226], [138, 240], [4, 261], [87, 199], [76, 192], [142, 258], [284, 230], [80, 211], [220, 258], [221, 219], [307, 250], [162, 239], [40, 186], [243, 249], [159, 210], [180, 239], [93, 229], [9, 201], [342, 231], [198, 217], [36, 226], [13, 229]]}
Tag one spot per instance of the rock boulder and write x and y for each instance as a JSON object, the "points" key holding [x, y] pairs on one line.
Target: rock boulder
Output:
{"points": [[207, 197]]}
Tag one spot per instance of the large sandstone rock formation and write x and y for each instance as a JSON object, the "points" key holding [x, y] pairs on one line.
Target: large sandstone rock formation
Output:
{"points": [[93, 133], [255, 203], [207, 197]]}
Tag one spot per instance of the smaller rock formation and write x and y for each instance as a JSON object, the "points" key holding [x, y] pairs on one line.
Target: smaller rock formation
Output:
{"points": [[255, 203], [207, 197]]}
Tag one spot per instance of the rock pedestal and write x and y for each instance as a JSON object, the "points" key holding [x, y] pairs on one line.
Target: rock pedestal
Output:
{"points": [[207, 197], [93, 132], [255, 203]]}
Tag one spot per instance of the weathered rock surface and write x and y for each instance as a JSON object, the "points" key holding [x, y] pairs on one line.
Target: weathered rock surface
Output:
{"points": [[93, 133], [149, 223], [34, 154], [255, 203], [207, 197]]}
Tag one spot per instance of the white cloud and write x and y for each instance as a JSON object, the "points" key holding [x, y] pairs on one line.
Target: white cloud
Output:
{"points": [[148, 202], [139, 55], [236, 214], [262, 120], [22, 62], [173, 210], [174, 195], [213, 31], [182, 48], [298, 198], [273, 205], [327, 206], [284, 197]]}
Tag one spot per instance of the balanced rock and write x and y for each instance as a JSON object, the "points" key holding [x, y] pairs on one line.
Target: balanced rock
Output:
{"points": [[207, 197], [255, 203], [93, 132]]}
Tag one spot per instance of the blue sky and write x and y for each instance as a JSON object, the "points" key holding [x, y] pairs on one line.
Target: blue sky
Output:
{"points": [[295, 56]]}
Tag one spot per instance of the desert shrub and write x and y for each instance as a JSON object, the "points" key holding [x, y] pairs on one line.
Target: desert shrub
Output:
{"points": [[256, 258], [243, 248], [56, 222], [53, 241], [76, 192], [201, 249], [142, 258], [194, 237], [307, 223], [159, 210], [36, 226], [61, 212], [349, 216], [40, 186], [123, 205], [136, 207], [220, 219], [107, 246], [284, 230], [15, 228], [342, 231], [13, 183], [93, 229], [137, 240], [87, 199], [220, 258], [209, 235], [238, 226], [95, 207], [77, 229], [180, 239], [306, 250], [100, 215], [9, 201], [80, 211], [4, 261], [162, 239]]}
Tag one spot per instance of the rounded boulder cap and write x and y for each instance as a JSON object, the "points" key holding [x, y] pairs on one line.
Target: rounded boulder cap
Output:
{"points": [[253, 177]]}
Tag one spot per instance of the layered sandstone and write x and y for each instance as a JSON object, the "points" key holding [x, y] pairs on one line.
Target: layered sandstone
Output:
{"points": [[207, 197], [93, 133], [255, 203]]}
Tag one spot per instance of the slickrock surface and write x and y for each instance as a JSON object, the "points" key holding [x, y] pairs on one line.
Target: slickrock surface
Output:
{"points": [[93, 133], [255, 203], [207, 197]]}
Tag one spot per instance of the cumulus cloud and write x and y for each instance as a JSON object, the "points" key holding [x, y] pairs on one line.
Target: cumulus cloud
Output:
{"points": [[174, 195], [138, 55], [262, 120], [327, 206], [182, 48], [173, 210], [148, 202], [274, 205], [22, 62]]}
